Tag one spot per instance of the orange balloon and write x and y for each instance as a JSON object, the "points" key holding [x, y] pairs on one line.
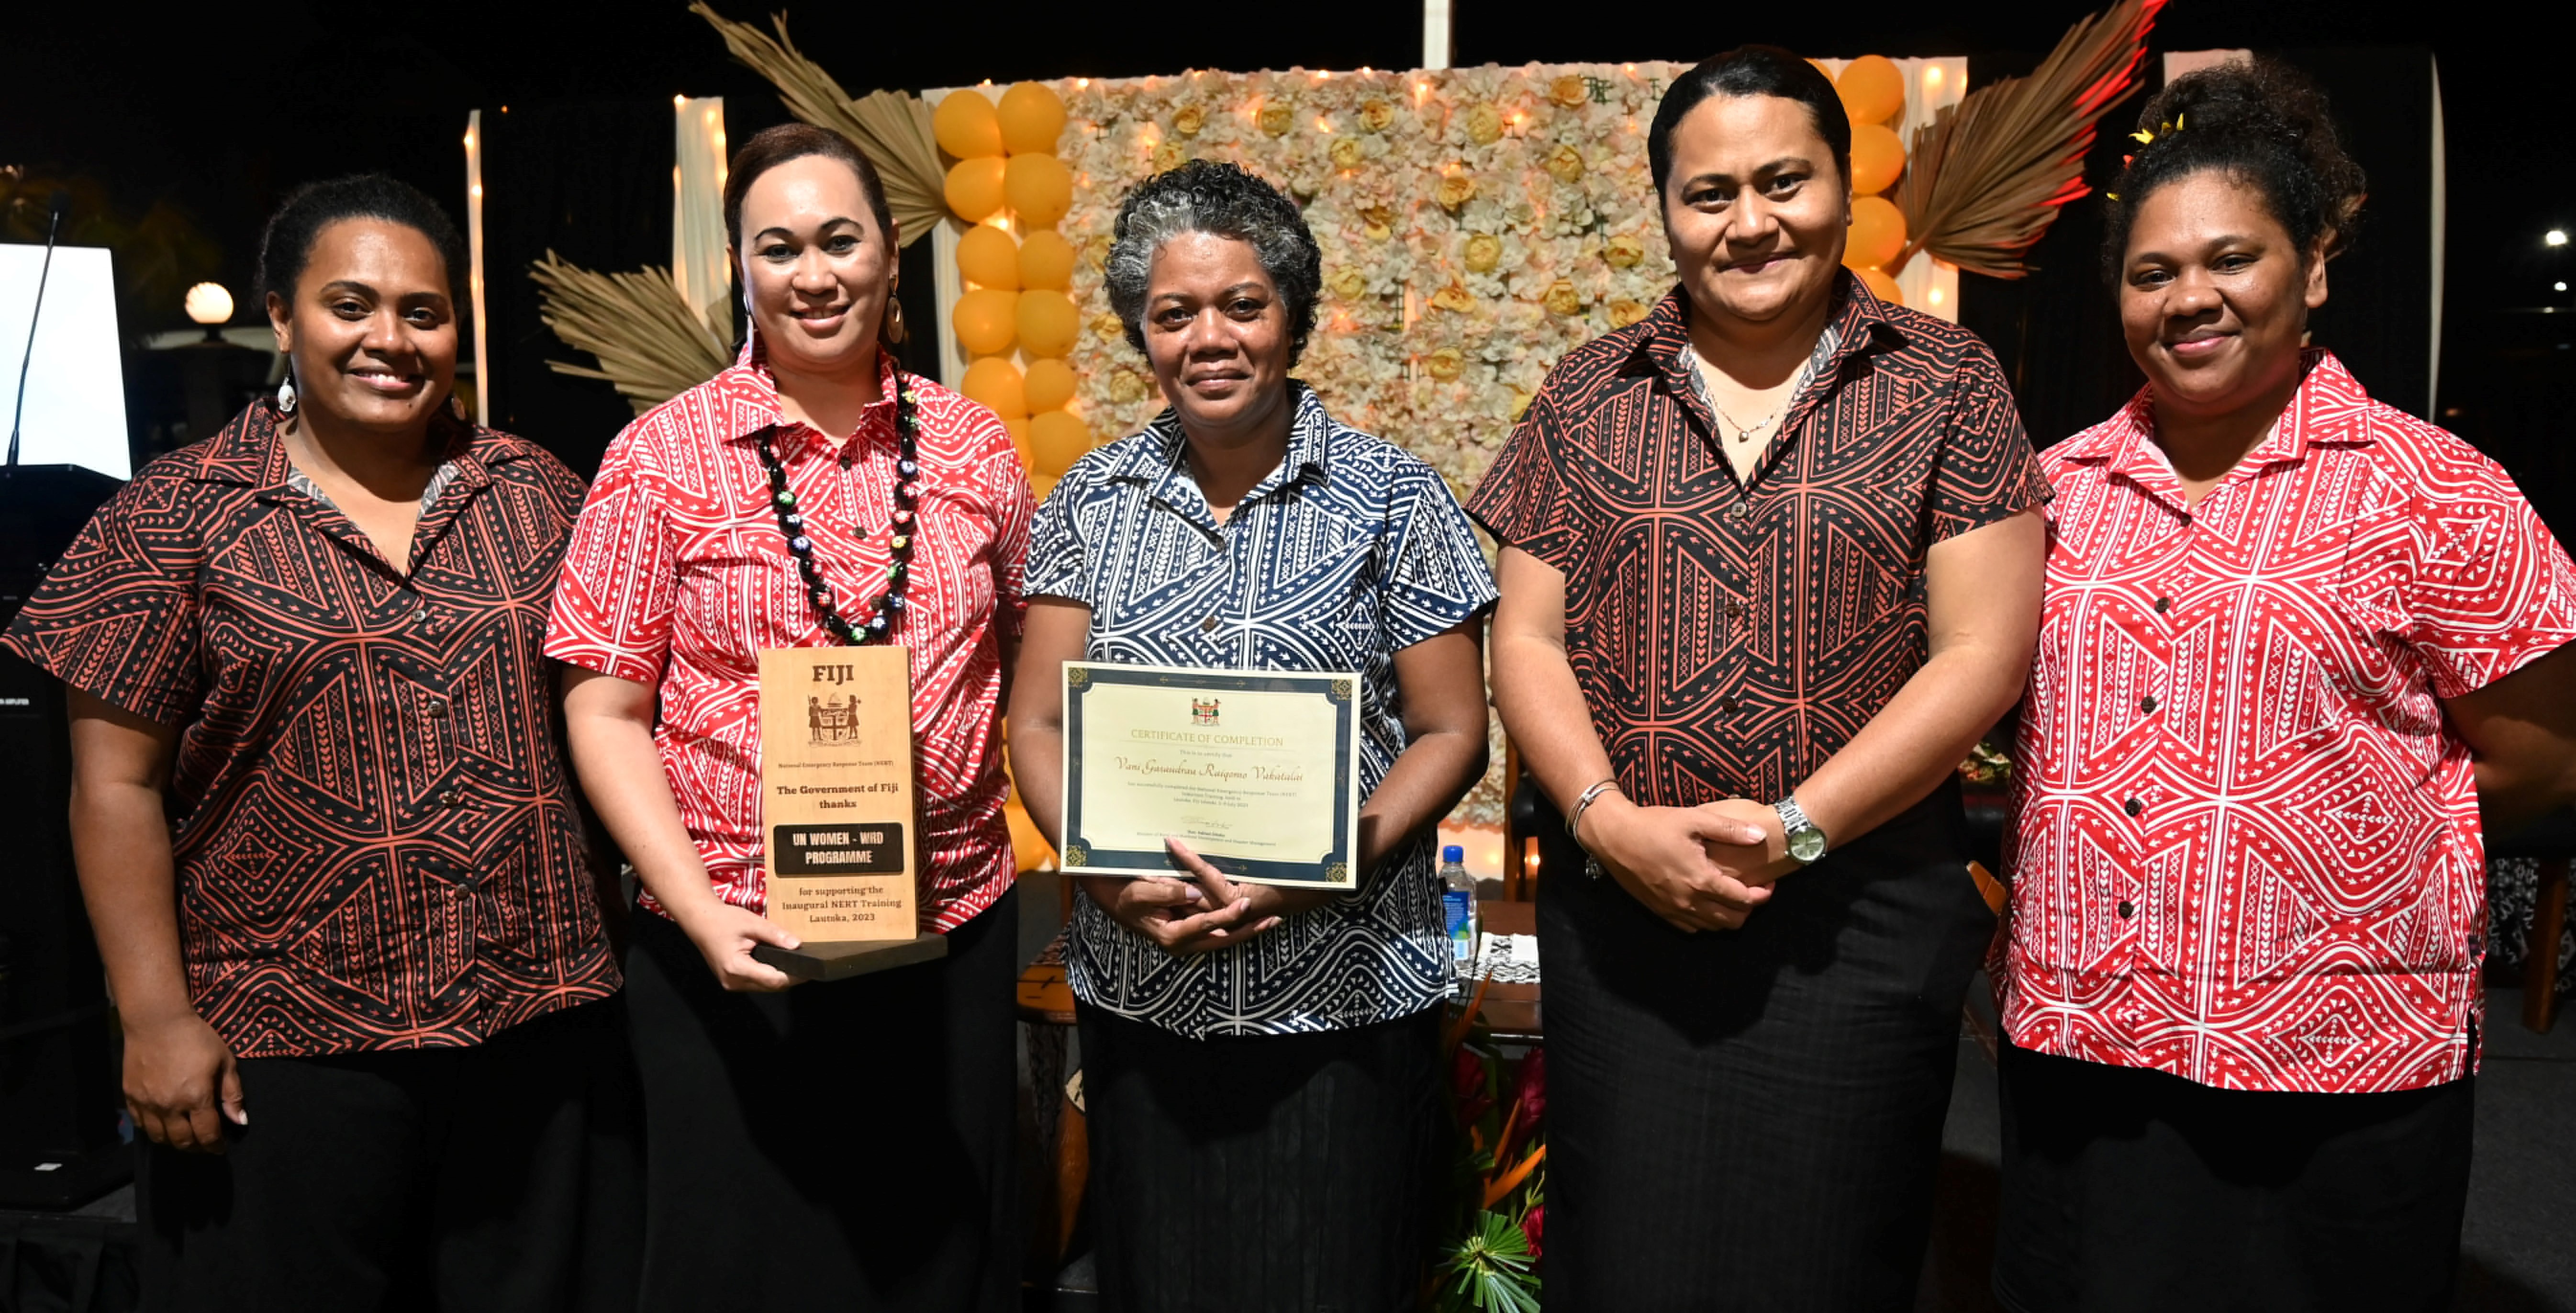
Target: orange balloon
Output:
{"points": [[967, 125], [986, 320], [1872, 88], [1881, 286], [1032, 117], [995, 382], [1048, 323], [1051, 383], [1039, 188], [1877, 158], [1056, 440], [974, 187], [989, 257], [1046, 260], [1019, 430], [1877, 233], [1041, 484]]}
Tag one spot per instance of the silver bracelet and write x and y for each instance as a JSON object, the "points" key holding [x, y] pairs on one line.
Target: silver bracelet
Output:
{"points": [[1574, 814]]}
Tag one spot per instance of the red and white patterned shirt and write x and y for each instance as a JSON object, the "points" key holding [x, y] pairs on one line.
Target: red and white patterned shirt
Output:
{"points": [[2245, 846], [677, 576]]}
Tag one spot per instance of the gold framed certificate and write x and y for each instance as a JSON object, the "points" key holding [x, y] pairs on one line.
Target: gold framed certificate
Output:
{"points": [[1258, 771]]}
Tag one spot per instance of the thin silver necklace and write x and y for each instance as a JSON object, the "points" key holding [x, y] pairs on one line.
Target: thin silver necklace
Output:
{"points": [[1824, 347]]}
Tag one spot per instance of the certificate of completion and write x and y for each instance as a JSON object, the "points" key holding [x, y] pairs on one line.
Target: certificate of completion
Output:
{"points": [[1258, 771]]}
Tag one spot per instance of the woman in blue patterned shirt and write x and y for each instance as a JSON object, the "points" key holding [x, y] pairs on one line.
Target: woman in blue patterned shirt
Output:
{"points": [[1260, 1065]]}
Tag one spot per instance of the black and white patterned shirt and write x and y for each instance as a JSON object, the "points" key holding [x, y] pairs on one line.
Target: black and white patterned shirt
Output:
{"points": [[1348, 552]]}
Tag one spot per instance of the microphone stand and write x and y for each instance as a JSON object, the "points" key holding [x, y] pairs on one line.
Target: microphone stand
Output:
{"points": [[53, 228]]}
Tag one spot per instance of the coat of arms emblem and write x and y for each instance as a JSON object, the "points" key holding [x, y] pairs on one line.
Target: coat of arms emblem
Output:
{"points": [[1203, 710]]}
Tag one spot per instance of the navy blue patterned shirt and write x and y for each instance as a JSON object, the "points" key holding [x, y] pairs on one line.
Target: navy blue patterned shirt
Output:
{"points": [[1347, 553]]}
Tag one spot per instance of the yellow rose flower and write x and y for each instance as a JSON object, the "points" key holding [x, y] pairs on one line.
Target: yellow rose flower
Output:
{"points": [[1277, 118], [1624, 312], [1562, 299], [1484, 125], [1345, 152], [1623, 251], [1096, 252], [1169, 156], [1520, 401], [1347, 284], [1444, 363], [1455, 190], [1376, 115], [1126, 386], [1453, 298], [1189, 120], [1565, 163], [1377, 222], [1484, 251], [1106, 327], [1568, 91]]}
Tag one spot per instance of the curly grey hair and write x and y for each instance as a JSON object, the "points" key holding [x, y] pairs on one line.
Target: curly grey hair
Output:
{"points": [[1202, 196]]}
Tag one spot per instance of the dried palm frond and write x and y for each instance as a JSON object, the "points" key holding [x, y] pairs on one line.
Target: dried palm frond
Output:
{"points": [[1984, 178], [648, 341], [891, 127]]}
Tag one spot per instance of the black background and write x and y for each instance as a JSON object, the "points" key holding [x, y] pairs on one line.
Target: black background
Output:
{"points": [[220, 108]]}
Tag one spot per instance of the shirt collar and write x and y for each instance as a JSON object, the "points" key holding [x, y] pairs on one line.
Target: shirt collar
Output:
{"points": [[1664, 346], [2328, 407], [1310, 431], [250, 451], [752, 392]]}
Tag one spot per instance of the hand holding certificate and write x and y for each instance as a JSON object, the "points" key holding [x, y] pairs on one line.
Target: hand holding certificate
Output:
{"points": [[1257, 771]]}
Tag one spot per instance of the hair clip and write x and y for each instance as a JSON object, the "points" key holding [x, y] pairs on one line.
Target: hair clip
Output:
{"points": [[2144, 137]]}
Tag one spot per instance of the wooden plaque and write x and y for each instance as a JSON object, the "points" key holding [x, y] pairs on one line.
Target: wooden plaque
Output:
{"points": [[836, 792]]}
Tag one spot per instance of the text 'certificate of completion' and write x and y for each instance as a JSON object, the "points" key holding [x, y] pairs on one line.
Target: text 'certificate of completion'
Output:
{"points": [[1256, 770]]}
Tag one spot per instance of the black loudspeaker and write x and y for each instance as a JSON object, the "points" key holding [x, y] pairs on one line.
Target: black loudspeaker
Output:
{"points": [[59, 1083]]}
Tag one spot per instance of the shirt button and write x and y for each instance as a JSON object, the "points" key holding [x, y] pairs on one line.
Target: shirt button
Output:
{"points": [[1728, 704], [2162, 604], [1735, 610], [2147, 705], [437, 707], [450, 798], [2133, 806], [1740, 511], [2127, 909], [1208, 626]]}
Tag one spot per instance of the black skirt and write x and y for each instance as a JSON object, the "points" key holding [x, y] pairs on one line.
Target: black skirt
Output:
{"points": [[2128, 1189], [1751, 1120], [836, 1146], [1292, 1173]]}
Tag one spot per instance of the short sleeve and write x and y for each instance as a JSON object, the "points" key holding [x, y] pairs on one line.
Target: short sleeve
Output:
{"points": [[1522, 499], [117, 617], [2493, 591], [1058, 564], [613, 602], [1987, 471], [1437, 577]]}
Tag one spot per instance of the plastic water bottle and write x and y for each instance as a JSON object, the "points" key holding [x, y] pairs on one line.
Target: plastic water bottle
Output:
{"points": [[1458, 901]]}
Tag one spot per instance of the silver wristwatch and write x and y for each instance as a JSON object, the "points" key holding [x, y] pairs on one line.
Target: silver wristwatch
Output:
{"points": [[1806, 842]]}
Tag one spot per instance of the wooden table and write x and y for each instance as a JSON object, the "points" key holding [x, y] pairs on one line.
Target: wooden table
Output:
{"points": [[1511, 1011]]}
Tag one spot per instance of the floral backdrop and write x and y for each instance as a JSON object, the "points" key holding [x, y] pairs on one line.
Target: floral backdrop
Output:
{"points": [[1476, 224]]}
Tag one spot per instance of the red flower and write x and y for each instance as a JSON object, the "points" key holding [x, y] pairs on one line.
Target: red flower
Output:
{"points": [[1533, 1088], [1531, 1225], [1467, 1076]]}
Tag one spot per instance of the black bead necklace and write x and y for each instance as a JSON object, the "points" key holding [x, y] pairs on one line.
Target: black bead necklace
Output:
{"points": [[907, 491]]}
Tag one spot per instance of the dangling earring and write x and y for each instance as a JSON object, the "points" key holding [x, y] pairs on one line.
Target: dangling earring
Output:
{"points": [[893, 332], [286, 394]]}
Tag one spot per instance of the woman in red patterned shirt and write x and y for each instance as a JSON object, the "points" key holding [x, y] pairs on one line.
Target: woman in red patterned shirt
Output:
{"points": [[2299, 652], [842, 1145]]}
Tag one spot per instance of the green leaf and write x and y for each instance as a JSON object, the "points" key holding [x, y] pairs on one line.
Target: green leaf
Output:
{"points": [[1490, 1270]]}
